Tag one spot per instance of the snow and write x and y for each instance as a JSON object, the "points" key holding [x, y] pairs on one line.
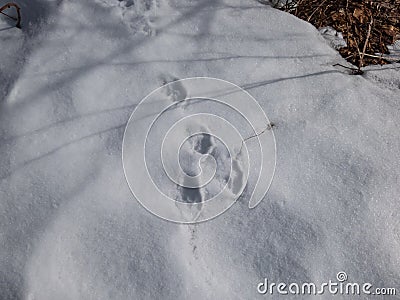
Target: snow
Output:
{"points": [[70, 227], [394, 50], [178, 116], [334, 37]]}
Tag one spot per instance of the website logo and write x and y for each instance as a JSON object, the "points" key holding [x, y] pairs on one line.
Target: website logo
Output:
{"points": [[340, 286]]}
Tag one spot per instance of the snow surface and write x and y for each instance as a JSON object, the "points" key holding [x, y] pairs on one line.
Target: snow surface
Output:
{"points": [[70, 227], [334, 37]]}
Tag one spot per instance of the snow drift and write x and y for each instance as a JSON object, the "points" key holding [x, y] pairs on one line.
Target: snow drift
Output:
{"points": [[70, 228]]}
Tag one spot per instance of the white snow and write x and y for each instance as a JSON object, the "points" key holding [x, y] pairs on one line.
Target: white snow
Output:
{"points": [[334, 37], [394, 50], [70, 227]]}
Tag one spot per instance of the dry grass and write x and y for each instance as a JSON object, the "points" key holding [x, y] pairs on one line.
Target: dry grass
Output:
{"points": [[367, 26]]}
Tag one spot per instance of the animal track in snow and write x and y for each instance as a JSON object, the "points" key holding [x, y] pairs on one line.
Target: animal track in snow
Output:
{"points": [[137, 15], [176, 92]]}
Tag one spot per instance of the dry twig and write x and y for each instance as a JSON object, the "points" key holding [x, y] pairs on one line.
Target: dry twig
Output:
{"points": [[365, 44], [17, 8]]}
